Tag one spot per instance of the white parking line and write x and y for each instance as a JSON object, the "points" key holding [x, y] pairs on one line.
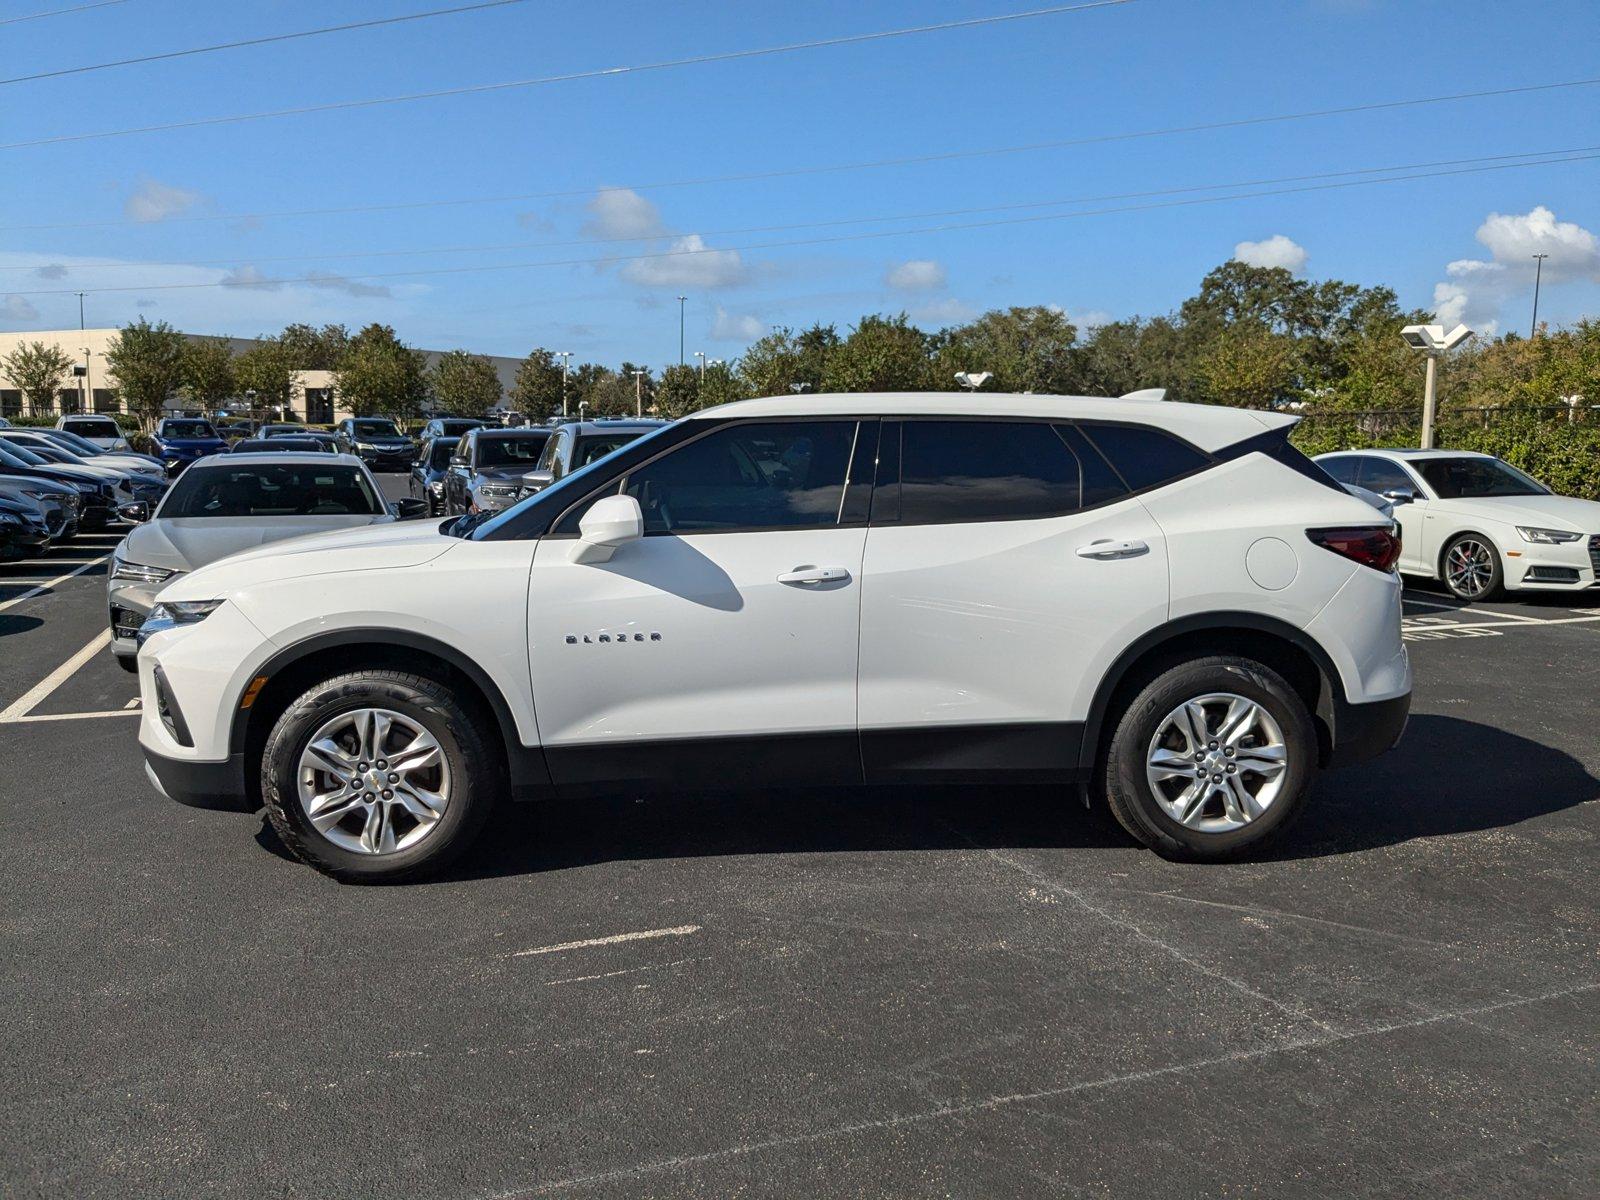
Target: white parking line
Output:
{"points": [[44, 587], [19, 709], [675, 931]]}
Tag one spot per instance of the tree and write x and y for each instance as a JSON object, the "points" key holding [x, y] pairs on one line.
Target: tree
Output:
{"points": [[720, 384], [537, 387], [882, 354], [148, 362], [1248, 367], [267, 370], [783, 360], [1026, 349], [679, 391], [465, 384], [38, 369], [208, 377], [313, 349], [381, 374]]}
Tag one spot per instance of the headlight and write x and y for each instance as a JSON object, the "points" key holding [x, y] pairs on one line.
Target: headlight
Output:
{"points": [[1547, 537], [139, 572], [365, 446], [7, 517], [499, 490], [174, 614]]}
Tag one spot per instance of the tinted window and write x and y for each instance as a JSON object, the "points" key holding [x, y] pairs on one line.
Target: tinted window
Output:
{"points": [[185, 429], [783, 475], [439, 456], [1100, 482], [1145, 457], [511, 451], [1380, 475], [92, 428], [985, 471], [1453, 478], [374, 428], [591, 449], [1342, 469], [270, 490]]}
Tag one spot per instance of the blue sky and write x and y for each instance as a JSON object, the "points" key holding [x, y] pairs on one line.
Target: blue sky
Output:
{"points": [[1458, 242]]}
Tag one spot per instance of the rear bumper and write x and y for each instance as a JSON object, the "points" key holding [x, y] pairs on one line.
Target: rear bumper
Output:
{"points": [[214, 785], [1363, 731]]}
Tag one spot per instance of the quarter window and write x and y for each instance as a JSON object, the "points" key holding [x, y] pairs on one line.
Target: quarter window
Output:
{"points": [[985, 471], [1145, 457], [782, 475]]}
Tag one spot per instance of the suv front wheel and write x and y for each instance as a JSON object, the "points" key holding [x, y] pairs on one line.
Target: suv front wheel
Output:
{"points": [[1212, 758], [378, 776]]}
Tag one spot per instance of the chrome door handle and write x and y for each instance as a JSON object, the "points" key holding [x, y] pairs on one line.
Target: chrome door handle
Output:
{"points": [[810, 576], [1105, 548]]}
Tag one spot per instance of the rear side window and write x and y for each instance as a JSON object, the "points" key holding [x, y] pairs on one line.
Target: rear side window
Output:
{"points": [[1145, 457], [985, 471]]}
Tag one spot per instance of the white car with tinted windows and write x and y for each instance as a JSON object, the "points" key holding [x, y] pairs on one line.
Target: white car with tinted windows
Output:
{"points": [[1476, 523], [1165, 607]]}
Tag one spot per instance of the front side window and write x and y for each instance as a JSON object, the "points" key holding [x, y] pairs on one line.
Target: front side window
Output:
{"points": [[985, 471], [510, 451], [1471, 478], [270, 490], [439, 456], [780, 475]]}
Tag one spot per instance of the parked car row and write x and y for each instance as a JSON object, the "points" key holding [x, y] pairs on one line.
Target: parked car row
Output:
{"points": [[74, 482]]}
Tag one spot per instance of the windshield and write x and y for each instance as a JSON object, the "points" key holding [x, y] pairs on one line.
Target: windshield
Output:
{"points": [[371, 428], [187, 429], [103, 428], [558, 495], [1470, 478], [591, 449], [18, 456], [511, 451], [443, 448], [281, 444], [270, 490], [81, 445], [283, 430], [52, 453]]}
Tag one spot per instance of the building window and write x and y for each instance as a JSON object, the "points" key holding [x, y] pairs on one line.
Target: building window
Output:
{"points": [[71, 400], [319, 406], [10, 403], [106, 400]]}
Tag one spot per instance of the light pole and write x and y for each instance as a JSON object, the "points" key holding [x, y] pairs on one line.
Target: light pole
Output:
{"points": [[1433, 341], [566, 358], [973, 380], [638, 393], [701, 355], [1538, 277], [681, 299], [88, 377]]}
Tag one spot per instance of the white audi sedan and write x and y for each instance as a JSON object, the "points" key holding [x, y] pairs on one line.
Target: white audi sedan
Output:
{"points": [[1477, 523]]}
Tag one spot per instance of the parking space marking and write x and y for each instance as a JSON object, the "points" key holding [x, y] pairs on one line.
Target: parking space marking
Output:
{"points": [[25, 703], [44, 587], [1414, 629], [675, 931]]}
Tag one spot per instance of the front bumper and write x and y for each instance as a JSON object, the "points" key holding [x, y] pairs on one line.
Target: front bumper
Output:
{"points": [[213, 785], [1570, 567]]}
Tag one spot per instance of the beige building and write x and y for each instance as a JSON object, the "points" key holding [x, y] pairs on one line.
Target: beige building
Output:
{"points": [[312, 397]]}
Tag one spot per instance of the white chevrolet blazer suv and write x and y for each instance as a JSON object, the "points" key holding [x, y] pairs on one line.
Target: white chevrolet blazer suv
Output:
{"points": [[1163, 607]]}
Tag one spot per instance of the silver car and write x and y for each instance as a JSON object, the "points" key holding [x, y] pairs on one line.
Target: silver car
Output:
{"points": [[231, 502]]}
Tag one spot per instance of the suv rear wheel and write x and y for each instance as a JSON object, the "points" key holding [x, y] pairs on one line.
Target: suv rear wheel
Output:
{"points": [[1212, 758], [378, 776]]}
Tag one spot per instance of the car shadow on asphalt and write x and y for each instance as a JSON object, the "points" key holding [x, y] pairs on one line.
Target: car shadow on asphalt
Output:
{"points": [[16, 623], [1447, 776]]}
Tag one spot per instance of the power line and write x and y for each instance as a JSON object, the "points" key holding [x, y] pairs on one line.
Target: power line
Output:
{"points": [[59, 12], [481, 88], [260, 41], [324, 279], [830, 168], [408, 252]]}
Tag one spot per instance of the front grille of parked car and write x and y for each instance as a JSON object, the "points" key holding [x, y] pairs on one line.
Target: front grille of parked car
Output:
{"points": [[1552, 575], [1594, 553]]}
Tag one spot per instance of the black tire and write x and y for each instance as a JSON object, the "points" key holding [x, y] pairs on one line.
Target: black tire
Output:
{"points": [[1129, 794], [1497, 571], [475, 765]]}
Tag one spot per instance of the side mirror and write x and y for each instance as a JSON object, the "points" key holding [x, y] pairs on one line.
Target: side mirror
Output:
{"points": [[537, 481], [138, 512], [409, 508], [610, 524], [1400, 496], [458, 460]]}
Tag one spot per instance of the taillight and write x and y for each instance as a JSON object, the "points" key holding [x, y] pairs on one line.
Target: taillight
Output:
{"points": [[1375, 546]]}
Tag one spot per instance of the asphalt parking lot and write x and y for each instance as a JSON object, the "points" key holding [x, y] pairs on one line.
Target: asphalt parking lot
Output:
{"points": [[960, 993]]}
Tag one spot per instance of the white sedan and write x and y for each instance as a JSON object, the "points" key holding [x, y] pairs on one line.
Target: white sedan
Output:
{"points": [[1477, 523]]}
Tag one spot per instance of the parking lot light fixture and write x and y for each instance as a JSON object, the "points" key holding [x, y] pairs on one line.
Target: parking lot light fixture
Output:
{"points": [[1434, 342], [973, 380]]}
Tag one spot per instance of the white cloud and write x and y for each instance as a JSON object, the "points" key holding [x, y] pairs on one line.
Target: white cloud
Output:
{"points": [[153, 200], [1476, 289], [736, 327], [252, 277], [916, 275], [51, 271], [688, 262], [18, 308], [621, 214], [943, 312], [1085, 319], [1275, 251]]}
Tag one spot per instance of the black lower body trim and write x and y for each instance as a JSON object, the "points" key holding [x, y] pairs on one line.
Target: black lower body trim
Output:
{"points": [[716, 763], [1045, 752], [217, 785], [1363, 731]]}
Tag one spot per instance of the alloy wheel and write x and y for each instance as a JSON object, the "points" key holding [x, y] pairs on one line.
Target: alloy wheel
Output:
{"points": [[373, 781], [1469, 568], [1217, 762]]}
